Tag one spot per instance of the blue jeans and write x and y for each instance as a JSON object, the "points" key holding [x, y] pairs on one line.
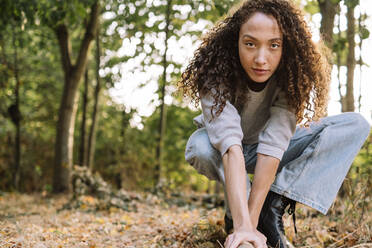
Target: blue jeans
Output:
{"points": [[313, 167]]}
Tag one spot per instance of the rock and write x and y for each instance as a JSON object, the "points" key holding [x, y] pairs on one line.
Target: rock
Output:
{"points": [[91, 192]]}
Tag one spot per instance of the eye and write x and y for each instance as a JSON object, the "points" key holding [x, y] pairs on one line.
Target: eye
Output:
{"points": [[249, 44], [275, 45]]}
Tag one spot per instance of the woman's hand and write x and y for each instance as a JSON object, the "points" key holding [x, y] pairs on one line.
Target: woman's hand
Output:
{"points": [[241, 235]]}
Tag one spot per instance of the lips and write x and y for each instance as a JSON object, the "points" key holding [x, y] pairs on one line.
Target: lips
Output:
{"points": [[260, 71]]}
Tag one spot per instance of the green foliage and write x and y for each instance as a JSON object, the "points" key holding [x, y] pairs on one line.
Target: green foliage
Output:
{"points": [[70, 12], [179, 128], [312, 7], [143, 21], [362, 28], [130, 152], [39, 75], [364, 33], [340, 47], [17, 12], [351, 3]]}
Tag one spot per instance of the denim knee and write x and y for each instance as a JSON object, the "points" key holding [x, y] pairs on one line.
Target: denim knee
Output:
{"points": [[198, 146], [202, 155], [361, 126]]}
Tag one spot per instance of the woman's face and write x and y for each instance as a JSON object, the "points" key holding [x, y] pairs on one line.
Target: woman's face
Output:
{"points": [[260, 46]]}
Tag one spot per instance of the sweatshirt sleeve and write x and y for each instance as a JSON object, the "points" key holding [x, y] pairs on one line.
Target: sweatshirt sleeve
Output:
{"points": [[223, 130], [274, 139]]}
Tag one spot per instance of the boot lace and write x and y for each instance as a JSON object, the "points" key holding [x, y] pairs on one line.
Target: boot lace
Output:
{"points": [[291, 211]]}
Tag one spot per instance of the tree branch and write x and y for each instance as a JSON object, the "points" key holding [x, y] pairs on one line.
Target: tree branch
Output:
{"points": [[89, 35], [64, 46]]}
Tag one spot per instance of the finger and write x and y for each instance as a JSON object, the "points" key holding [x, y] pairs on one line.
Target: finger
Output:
{"points": [[263, 237], [236, 242], [228, 241], [261, 245], [262, 240], [258, 244]]}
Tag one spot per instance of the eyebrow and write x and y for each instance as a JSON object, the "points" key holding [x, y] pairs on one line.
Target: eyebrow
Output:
{"points": [[253, 38]]}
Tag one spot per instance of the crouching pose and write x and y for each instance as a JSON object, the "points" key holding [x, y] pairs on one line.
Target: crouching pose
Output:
{"points": [[257, 74]]}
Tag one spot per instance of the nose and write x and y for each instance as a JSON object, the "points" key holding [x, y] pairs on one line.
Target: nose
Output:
{"points": [[260, 57]]}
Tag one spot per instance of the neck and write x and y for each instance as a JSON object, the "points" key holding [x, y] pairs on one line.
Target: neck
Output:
{"points": [[255, 86]]}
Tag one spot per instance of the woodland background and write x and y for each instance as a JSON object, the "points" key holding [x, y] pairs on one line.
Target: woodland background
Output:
{"points": [[63, 65]]}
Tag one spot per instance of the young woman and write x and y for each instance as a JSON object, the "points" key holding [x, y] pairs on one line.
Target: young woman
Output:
{"points": [[257, 74]]}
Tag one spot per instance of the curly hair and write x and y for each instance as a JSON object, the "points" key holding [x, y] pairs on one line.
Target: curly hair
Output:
{"points": [[303, 72]]}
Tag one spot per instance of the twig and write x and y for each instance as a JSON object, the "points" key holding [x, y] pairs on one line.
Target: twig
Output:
{"points": [[363, 207], [362, 245], [219, 243], [334, 244]]}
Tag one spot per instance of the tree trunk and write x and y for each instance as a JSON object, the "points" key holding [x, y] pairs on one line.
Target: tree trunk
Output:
{"points": [[67, 111], [328, 10], [360, 62], [17, 119], [338, 57], [83, 140], [162, 119], [92, 132], [348, 99], [350, 58]]}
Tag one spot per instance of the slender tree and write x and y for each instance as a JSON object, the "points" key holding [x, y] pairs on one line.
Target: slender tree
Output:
{"points": [[351, 61], [360, 61], [93, 127], [14, 17], [363, 34], [83, 140], [67, 111], [163, 84], [338, 50], [16, 113]]}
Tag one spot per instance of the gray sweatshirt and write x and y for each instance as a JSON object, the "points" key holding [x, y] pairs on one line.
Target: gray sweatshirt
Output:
{"points": [[265, 119]]}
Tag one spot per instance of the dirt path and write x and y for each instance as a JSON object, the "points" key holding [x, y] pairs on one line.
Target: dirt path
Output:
{"points": [[34, 221]]}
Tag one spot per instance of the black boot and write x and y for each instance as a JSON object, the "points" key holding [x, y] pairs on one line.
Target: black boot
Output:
{"points": [[270, 222]]}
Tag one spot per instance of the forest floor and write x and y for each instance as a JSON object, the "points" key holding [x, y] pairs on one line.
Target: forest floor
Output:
{"points": [[41, 221]]}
